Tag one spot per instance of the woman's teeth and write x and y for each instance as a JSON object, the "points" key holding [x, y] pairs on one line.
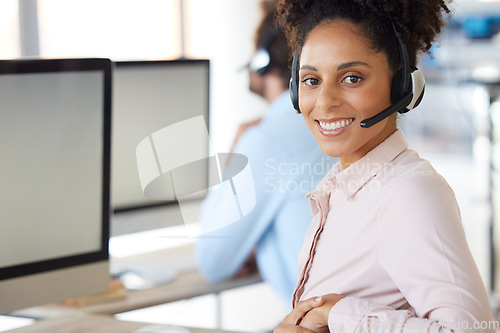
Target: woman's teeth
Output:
{"points": [[335, 125]]}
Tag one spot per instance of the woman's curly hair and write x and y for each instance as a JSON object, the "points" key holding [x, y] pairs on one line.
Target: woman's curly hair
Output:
{"points": [[417, 21]]}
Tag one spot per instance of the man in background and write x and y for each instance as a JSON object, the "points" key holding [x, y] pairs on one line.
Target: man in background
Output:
{"points": [[286, 163]]}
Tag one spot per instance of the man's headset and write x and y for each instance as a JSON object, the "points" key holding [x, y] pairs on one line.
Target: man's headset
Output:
{"points": [[261, 61], [407, 87]]}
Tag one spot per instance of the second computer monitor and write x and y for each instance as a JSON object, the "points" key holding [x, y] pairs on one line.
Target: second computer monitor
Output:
{"points": [[149, 96]]}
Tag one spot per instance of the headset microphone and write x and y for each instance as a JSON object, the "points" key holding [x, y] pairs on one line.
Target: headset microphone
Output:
{"points": [[407, 88]]}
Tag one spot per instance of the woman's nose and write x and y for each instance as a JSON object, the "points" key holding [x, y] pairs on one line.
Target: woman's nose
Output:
{"points": [[329, 97]]}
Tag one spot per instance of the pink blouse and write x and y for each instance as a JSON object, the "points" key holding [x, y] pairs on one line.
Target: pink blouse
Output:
{"points": [[387, 233]]}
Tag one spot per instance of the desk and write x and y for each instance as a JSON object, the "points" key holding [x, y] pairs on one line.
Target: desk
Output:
{"points": [[97, 318], [188, 284], [96, 324]]}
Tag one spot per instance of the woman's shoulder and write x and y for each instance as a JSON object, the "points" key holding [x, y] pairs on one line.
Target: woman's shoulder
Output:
{"points": [[409, 169], [414, 184], [417, 196]]}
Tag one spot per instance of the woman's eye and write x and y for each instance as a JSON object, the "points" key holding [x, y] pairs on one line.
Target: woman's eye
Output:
{"points": [[310, 81], [352, 79]]}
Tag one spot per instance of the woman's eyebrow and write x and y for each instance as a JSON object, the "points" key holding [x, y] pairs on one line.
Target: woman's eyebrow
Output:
{"points": [[309, 68], [339, 67], [352, 64]]}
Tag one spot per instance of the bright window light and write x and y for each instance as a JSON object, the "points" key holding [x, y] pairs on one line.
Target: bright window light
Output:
{"points": [[9, 29], [116, 29]]}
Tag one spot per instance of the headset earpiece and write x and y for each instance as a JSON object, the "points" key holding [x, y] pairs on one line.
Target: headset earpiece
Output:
{"points": [[418, 88], [294, 82]]}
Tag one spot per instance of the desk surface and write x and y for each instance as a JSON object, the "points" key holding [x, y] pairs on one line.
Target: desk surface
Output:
{"points": [[101, 324], [94, 318], [187, 285]]}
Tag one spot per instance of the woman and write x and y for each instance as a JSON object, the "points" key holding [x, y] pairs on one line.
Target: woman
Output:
{"points": [[385, 251]]}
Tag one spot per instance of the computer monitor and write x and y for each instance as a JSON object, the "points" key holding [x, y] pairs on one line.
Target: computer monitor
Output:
{"points": [[55, 119], [149, 96]]}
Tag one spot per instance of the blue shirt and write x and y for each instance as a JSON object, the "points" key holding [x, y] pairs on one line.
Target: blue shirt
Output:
{"points": [[286, 163]]}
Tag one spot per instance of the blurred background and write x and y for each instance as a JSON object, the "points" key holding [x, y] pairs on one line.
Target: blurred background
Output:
{"points": [[457, 126]]}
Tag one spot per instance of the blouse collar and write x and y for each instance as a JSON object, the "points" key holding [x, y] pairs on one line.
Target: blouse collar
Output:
{"points": [[353, 178]]}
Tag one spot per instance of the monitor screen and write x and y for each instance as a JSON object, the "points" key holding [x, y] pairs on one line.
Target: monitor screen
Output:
{"points": [[55, 119], [149, 96]]}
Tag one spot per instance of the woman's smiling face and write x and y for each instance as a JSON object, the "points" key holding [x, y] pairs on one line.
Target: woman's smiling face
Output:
{"points": [[343, 81]]}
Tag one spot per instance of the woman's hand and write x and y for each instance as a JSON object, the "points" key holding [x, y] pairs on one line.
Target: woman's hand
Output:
{"points": [[291, 322], [310, 315], [316, 320]]}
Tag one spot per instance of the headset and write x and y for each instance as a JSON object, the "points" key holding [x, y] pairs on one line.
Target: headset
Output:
{"points": [[261, 61], [407, 89]]}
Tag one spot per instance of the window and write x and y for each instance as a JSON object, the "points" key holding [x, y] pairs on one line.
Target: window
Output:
{"points": [[116, 29], [9, 29]]}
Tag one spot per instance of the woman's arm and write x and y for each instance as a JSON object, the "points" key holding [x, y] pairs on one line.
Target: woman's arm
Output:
{"points": [[422, 246], [358, 315]]}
